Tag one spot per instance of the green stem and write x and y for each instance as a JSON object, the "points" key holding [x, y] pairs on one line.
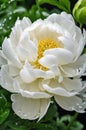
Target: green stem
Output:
{"points": [[81, 25], [72, 120]]}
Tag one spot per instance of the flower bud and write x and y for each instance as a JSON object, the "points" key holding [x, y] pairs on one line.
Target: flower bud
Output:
{"points": [[79, 11]]}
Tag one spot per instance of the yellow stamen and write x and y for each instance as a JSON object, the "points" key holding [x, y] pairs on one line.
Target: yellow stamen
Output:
{"points": [[43, 45]]}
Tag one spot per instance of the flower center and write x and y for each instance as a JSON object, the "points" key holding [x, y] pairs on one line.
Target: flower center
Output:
{"points": [[43, 45]]}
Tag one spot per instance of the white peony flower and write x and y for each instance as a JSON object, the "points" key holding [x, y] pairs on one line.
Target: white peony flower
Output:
{"points": [[41, 60]]}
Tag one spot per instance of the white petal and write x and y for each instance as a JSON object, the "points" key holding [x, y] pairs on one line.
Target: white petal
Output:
{"points": [[75, 69], [68, 103], [10, 53], [48, 61], [17, 30], [34, 95], [58, 91], [26, 49], [31, 90], [25, 23], [67, 16], [72, 85], [68, 43], [80, 44], [27, 108], [6, 80], [64, 21], [29, 74], [42, 29], [44, 107], [63, 55], [2, 58], [13, 70]]}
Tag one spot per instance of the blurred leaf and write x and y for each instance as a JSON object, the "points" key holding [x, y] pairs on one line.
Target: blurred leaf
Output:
{"points": [[61, 4], [4, 115], [36, 13], [76, 126], [45, 127], [51, 113]]}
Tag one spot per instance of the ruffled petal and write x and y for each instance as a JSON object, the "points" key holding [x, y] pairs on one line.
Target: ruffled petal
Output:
{"points": [[63, 56], [58, 91], [32, 90], [69, 103], [10, 53], [27, 108], [29, 74], [75, 69], [2, 58], [64, 20], [6, 80], [26, 48], [72, 85], [68, 43], [18, 29], [48, 61]]}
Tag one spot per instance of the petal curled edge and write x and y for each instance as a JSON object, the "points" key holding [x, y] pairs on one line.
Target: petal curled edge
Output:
{"points": [[64, 20], [10, 53], [31, 90], [70, 103], [6, 80], [17, 30], [75, 69], [27, 108], [28, 74], [58, 91], [63, 55], [2, 58]]}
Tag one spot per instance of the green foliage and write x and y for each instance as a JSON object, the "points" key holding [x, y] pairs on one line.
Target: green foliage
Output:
{"points": [[64, 121], [61, 4]]}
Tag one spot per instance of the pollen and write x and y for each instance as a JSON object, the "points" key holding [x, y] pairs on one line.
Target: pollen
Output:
{"points": [[43, 45]]}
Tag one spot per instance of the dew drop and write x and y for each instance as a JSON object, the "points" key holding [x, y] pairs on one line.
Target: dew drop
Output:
{"points": [[80, 107], [10, 18], [16, 123]]}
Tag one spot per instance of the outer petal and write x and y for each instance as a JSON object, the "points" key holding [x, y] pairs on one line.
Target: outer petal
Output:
{"points": [[10, 53], [75, 69], [27, 108], [31, 90], [69, 103], [6, 80], [26, 48], [58, 91], [2, 58], [72, 85], [68, 43], [64, 20], [80, 44], [17, 30]]}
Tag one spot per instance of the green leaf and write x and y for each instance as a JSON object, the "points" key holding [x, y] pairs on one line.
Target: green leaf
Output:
{"points": [[44, 127], [4, 115], [17, 127], [61, 4], [76, 126], [36, 13]]}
